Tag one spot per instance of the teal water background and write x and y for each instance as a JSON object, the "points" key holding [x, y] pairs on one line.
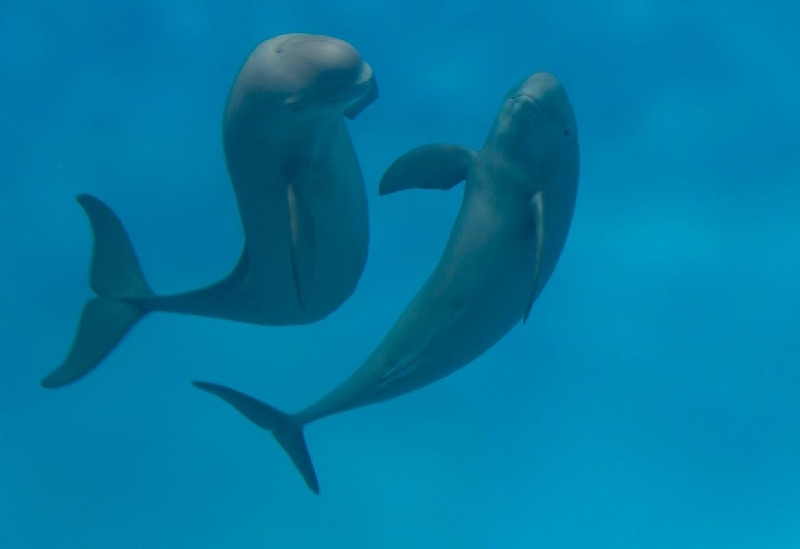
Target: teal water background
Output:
{"points": [[651, 401]]}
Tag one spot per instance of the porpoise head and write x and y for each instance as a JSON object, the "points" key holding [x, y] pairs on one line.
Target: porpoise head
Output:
{"points": [[535, 130], [307, 76]]}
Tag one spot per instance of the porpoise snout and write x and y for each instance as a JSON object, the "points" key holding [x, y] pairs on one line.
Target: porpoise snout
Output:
{"points": [[328, 72]]}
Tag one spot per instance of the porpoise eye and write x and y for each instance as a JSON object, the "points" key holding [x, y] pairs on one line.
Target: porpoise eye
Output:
{"points": [[566, 133]]}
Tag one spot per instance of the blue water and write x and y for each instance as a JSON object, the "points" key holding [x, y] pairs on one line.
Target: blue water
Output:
{"points": [[651, 401]]}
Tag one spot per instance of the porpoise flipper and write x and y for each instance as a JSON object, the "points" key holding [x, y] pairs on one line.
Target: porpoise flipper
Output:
{"points": [[537, 206], [434, 166], [302, 247]]}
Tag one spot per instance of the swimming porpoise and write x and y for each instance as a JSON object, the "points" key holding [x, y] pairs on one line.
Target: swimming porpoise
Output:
{"points": [[518, 204], [301, 198]]}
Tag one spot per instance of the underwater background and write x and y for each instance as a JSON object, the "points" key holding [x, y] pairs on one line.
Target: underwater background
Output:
{"points": [[651, 400]]}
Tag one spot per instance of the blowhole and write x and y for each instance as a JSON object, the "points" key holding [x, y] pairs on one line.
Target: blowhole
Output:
{"points": [[566, 133]]}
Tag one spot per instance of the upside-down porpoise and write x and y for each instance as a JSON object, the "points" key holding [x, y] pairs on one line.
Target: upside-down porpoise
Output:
{"points": [[300, 194]]}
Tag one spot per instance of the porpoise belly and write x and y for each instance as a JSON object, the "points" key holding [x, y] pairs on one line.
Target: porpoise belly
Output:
{"points": [[462, 333], [331, 186], [474, 297]]}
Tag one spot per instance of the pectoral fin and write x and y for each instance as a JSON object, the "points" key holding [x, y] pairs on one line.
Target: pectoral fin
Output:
{"points": [[302, 247], [537, 206], [434, 166]]}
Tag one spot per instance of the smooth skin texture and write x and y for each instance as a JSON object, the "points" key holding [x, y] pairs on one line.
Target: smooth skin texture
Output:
{"points": [[301, 198], [518, 205]]}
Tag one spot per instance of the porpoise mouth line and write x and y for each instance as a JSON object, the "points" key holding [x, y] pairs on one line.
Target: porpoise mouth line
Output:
{"points": [[355, 92], [535, 103], [303, 40], [521, 95]]}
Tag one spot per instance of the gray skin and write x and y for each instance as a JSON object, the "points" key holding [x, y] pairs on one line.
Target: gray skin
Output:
{"points": [[518, 204], [301, 198]]}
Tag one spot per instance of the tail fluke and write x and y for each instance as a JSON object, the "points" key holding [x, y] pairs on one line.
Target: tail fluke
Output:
{"points": [[103, 323], [118, 281], [115, 270], [284, 427]]}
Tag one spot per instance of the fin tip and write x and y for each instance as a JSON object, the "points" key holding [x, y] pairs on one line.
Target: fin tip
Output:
{"points": [[86, 199], [47, 383]]}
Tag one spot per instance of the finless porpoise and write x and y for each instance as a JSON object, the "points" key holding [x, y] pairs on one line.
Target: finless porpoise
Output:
{"points": [[301, 198]]}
